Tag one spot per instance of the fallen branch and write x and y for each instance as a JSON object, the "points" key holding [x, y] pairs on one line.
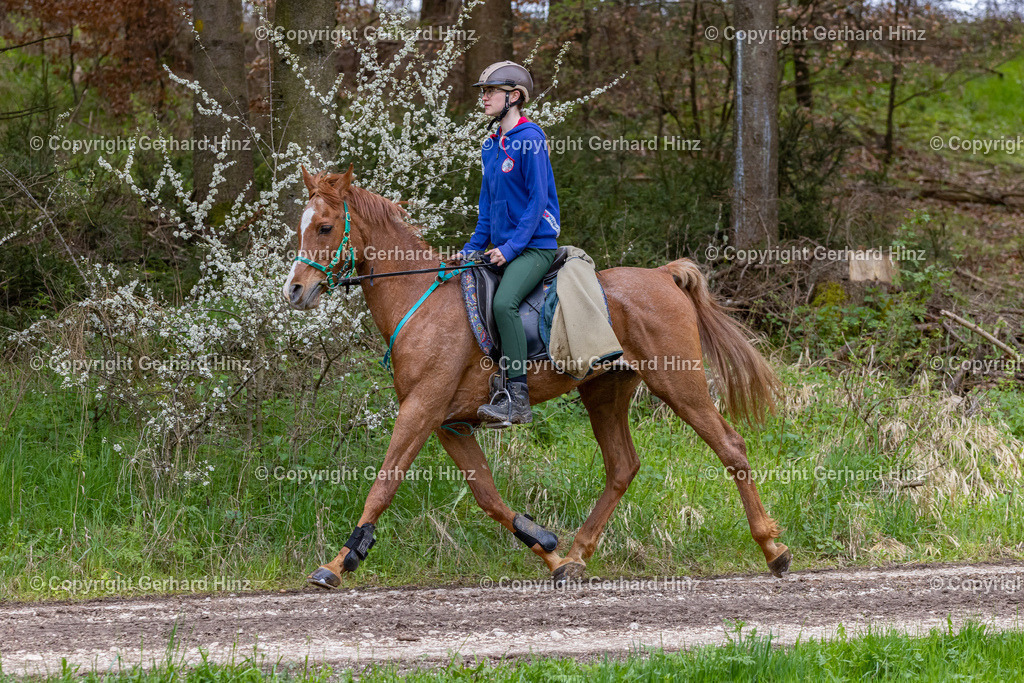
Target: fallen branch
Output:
{"points": [[982, 333], [971, 276]]}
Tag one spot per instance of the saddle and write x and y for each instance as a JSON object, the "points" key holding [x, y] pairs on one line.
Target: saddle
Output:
{"points": [[478, 288]]}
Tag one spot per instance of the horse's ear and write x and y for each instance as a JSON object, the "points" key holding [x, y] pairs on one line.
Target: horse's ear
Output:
{"points": [[308, 180], [344, 181]]}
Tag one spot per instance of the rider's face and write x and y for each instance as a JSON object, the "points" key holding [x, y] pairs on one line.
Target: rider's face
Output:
{"points": [[493, 100]]}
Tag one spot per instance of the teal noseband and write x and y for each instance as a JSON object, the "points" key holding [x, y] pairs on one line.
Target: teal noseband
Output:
{"points": [[329, 270]]}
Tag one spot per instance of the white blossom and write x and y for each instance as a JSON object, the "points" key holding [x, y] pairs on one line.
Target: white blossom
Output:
{"points": [[392, 122]]}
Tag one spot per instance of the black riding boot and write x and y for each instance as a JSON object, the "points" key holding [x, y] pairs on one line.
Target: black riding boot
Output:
{"points": [[520, 408], [508, 406]]}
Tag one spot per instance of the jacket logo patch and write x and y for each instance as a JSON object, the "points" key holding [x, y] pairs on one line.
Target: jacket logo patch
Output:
{"points": [[551, 221]]}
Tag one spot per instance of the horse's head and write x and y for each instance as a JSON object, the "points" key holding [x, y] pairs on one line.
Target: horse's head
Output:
{"points": [[323, 249]]}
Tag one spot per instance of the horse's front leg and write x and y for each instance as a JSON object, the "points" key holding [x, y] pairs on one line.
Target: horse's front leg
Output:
{"points": [[417, 417]]}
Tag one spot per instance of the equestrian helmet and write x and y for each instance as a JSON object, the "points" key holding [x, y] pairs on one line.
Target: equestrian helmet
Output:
{"points": [[507, 76]]}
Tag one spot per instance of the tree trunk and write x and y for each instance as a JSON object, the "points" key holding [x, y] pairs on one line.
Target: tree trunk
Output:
{"points": [[437, 12], [755, 200], [492, 24], [297, 116], [802, 75], [218, 63], [691, 69], [894, 81]]}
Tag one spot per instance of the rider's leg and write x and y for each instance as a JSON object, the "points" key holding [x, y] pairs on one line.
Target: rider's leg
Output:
{"points": [[521, 275]]}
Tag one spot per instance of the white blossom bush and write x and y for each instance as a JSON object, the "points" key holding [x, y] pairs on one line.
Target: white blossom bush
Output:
{"points": [[193, 367]]}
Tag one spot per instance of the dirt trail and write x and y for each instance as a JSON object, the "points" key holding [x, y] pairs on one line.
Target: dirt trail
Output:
{"points": [[502, 620]]}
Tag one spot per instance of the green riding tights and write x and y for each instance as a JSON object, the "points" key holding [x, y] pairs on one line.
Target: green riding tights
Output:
{"points": [[521, 275]]}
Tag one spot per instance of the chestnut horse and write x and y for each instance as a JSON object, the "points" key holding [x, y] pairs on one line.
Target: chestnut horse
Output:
{"points": [[664, 319]]}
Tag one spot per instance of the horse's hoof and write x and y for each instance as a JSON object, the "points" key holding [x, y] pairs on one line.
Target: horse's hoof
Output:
{"points": [[324, 578], [780, 565], [570, 571]]}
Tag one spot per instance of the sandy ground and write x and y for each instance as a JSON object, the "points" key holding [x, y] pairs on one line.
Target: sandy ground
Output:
{"points": [[500, 619]]}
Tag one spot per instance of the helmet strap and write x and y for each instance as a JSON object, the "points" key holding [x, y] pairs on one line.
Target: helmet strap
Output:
{"points": [[499, 117]]}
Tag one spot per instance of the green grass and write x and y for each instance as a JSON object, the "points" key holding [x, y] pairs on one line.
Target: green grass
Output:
{"points": [[831, 469], [968, 654], [984, 107]]}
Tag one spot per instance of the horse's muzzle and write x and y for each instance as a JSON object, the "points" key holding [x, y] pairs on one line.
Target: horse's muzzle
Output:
{"points": [[304, 298]]}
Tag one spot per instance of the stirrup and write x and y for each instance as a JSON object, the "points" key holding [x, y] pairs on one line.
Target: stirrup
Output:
{"points": [[499, 390]]}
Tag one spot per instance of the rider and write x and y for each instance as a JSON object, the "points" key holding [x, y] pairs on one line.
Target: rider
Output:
{"points": [[519, 216]]}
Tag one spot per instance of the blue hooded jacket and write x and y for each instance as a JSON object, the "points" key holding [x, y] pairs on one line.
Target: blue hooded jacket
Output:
{"points": [[518, 202]]}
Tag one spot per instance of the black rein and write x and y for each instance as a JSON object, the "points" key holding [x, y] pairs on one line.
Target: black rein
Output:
{"points": [[348, 282]]}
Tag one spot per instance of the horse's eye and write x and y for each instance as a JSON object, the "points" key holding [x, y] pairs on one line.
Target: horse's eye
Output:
{"points": [[326, 228]]}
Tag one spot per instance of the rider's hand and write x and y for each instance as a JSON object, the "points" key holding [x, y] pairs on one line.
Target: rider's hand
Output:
{"points": [[457, 260], [497, 258]]}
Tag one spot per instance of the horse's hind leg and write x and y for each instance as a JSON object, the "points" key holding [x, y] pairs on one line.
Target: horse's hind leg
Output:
{"points": [[607, 401], [686, 392], [469, 458]]}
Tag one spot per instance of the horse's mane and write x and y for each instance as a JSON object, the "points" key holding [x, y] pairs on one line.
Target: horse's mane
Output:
{"points": [[368, 205]]}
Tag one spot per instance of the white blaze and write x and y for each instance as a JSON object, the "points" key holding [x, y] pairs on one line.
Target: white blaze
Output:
{"points": [[307, 218]]}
